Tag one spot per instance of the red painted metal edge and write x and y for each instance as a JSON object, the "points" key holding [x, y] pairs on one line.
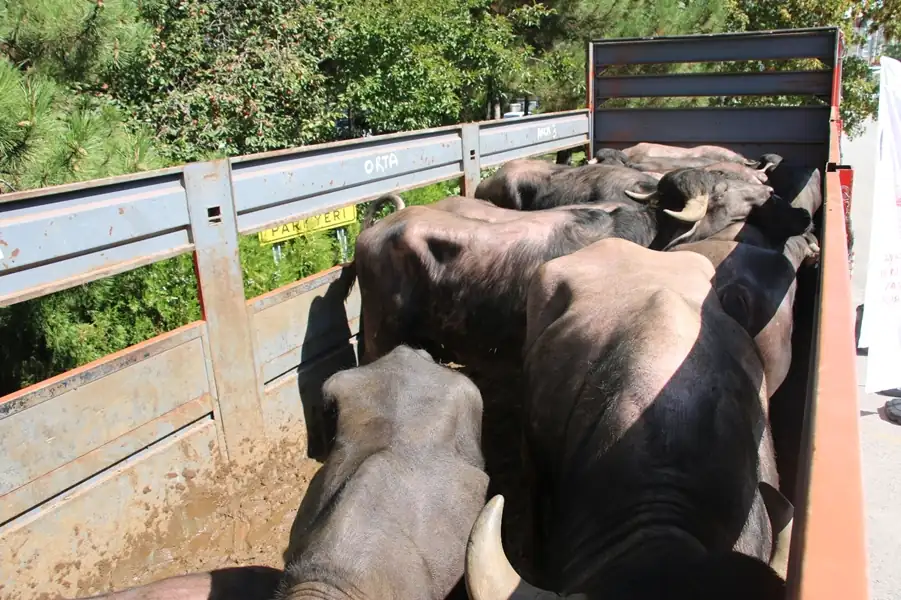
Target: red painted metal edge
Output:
{"points": [[837, 72], [829, 552]]}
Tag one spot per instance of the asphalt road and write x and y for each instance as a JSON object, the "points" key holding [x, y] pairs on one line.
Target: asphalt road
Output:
{"points": [[880, 439]]}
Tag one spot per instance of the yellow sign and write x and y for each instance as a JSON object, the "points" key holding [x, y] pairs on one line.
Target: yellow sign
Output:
{"points": [[330, 220]]}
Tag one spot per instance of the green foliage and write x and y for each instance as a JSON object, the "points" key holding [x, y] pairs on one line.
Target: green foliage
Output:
{"points": [[50, 136], [78, 42], [860, 101], [73, 327], [557, 73], [858, 90], [301, 257], [410, 64], [892, 51], [231, 77], [885, 14]]}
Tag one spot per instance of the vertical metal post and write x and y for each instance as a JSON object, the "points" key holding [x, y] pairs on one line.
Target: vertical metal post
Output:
{"points": [[214, 229], [472, 160], [589, 90]]}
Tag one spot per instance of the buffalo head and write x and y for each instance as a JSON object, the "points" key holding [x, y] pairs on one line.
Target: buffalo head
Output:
{"points": [[707, 204]]}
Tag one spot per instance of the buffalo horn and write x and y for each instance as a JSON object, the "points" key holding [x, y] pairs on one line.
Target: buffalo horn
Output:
{"points": [[639, 197], [766, 167], [694, 210], [489, 575]]}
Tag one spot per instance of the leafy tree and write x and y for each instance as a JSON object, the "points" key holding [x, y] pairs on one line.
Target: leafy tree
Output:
{"points": [[231, 77], [858, 88], [565, 26], [53, 54], [892, 51], [885, 14], [410, 64]]}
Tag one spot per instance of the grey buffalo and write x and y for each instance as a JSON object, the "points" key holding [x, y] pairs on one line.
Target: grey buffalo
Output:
{"points": [[646, 430], [388, 514]]}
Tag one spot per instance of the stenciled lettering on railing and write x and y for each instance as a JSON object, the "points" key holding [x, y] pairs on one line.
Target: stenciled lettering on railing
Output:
{"points": [[548, 131], [381, 164]]}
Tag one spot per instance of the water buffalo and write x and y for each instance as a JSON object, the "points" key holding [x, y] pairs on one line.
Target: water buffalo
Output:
{"points": [[452, 277], [388, 514], [646, 430], [528, 184], [755, 283], [723, 201], [646, 151]]}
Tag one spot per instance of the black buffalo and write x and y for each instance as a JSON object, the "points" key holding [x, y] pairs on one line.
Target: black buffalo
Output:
{"points": [[452, 277], [528, 184], [647, 433]]}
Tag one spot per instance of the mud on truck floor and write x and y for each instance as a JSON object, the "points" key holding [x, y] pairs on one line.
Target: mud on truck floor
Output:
{"points": [[230, 519]]}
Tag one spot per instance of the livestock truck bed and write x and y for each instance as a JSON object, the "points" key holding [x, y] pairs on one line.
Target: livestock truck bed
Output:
{"points": [[193, 449]]}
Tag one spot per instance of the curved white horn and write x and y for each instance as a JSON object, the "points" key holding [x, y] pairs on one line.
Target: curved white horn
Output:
{"points": [[639, 197], [694, 210], [489, 575]]}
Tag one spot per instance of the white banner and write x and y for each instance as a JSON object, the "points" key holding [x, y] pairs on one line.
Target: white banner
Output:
{"points": [[881, 327]]}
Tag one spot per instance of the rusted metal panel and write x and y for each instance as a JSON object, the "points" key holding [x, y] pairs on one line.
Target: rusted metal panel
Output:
{"points": [[105, 529], [471, 159], [302, 320], [755, 45], [81, 469], [293, 402], [770, 125], [51, 434], [768, 83], [93, 371], [828, 554], [507, 139], [215, 234]]}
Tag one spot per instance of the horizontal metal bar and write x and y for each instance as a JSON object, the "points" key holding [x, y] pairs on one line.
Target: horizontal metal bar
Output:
{"points": [[84, 188], [818, 83], [55, 481], [528, 134], [72, 380], [787, 44], [55, 276], [315, 171], [34, 232], [780, 125], [251, 222], [545, 148]]}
